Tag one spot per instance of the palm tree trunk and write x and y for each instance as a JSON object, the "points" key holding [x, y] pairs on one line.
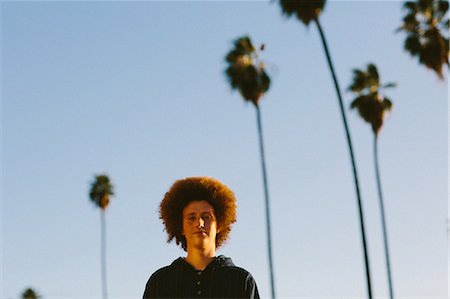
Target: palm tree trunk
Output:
{"points": [[266, 197], [383, 219], [103, 253], [349, 141]]}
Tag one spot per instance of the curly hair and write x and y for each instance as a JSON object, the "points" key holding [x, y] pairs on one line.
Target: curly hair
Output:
{"points": [[184, 191]]}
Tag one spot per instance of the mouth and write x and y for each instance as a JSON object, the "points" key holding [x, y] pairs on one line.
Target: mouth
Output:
{"points": [[200, 233]]}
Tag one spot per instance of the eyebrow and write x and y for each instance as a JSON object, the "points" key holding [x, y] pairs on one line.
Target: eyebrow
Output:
{"points": [[202, 213]]}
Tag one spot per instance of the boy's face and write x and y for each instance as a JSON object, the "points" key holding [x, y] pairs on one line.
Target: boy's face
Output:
{"points": [[199, 225]]}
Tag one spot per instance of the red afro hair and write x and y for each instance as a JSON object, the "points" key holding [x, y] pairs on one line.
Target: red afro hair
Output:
{"points": [[184, 191]]}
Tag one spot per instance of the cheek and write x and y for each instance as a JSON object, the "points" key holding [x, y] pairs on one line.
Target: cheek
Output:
{"points": [[213, 226], [184, 228]]}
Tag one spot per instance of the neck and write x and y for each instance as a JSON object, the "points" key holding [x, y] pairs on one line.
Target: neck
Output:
{"points": [[199, 259]]}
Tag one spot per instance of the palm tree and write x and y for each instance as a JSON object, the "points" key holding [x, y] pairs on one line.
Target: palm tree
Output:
{"points": [[372, 107], [307, 11], [425, 24], [100, 192], [29, 293], [246, 74]]}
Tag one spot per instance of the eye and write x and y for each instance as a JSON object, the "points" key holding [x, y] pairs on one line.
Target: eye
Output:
{"points": [[208, 217]]}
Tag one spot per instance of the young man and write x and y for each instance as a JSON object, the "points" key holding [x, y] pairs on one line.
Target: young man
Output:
{"points": [[198, 213]]}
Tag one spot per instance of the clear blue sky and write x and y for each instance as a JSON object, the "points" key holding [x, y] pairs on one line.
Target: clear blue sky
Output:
{"points": [[137, 90]]}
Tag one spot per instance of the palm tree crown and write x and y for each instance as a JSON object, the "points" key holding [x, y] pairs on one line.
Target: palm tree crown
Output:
{"points": [[101, 189], [245, 72], [371, 105], [30, 294], [425, 25], [306, 10]]}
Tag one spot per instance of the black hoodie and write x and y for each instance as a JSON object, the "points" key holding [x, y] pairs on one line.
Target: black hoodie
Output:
{"points": [[220, 279]]}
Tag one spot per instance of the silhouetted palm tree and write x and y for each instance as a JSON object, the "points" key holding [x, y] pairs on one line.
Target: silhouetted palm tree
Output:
{"points": [[246, 74], [307, 11], [29, 293], [100, 192], [372, 107], [425, 25]]}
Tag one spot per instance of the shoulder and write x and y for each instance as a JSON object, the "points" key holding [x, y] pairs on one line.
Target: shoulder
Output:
{"points": [[226, 265], [156, 284], [237, 272], [236, 269], [161, 273]]}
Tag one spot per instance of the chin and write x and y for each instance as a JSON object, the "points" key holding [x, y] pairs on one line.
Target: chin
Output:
{"points": [[202, 244]]}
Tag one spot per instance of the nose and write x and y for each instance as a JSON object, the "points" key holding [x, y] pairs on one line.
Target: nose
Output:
{"points": [[201, 222]]}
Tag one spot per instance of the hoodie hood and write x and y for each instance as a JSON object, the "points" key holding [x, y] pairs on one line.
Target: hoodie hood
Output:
{"points": [[222, 261], [219, 262]]}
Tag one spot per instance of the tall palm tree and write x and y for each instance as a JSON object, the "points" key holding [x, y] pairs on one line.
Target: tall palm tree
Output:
{"points": [[427, 32], [100, 192], [29, 293], [246, 74], [372, 107], [308, 11]]}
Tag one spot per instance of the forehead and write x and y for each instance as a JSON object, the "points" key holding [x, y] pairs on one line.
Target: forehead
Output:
{"points": [[198, 206]]}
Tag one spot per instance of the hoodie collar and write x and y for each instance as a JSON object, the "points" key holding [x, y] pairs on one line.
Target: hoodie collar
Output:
{"points": [[218, 262]]}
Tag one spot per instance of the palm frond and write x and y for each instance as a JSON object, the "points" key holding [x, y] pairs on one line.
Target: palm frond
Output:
{"points": [[434, 52], [305, 10], [357, 102], [413, 45], [389, 85], [359, 81], [441, 11], [387, 104], [365, 80], [411, 6], [372, 72]]}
